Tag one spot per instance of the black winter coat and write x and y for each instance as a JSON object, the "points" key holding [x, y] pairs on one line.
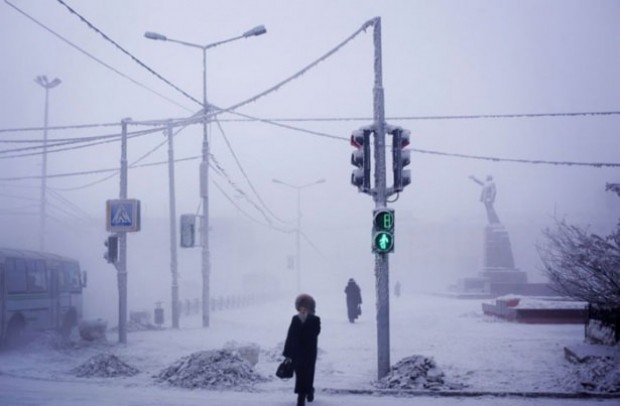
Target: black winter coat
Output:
{"points": [[301, 347], [354, 300]]}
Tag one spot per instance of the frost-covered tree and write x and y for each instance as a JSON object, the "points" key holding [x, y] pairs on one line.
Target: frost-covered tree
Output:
{"points": [[582, 265]]}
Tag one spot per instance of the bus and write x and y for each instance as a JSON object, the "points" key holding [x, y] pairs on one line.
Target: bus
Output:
{"points": [[38, 292]]}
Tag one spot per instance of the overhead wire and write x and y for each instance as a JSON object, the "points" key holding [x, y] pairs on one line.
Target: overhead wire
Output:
{"points": [[245, 175], [304, 70], [131, 165], [430, 117], [123, 50], [523, 161], [66, 202], [246, 214], [215, 165], [90, 25], [92, 56], [59, 127], [325, 56], [53, 148]]}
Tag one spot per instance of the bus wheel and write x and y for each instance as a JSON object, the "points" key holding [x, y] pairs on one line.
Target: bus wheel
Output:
{"points": [[14, 332]]}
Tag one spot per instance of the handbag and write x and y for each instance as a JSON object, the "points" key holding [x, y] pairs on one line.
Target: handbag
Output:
{"points": [[285, 370]]}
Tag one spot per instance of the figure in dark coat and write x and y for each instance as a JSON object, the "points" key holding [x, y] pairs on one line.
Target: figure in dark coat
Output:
{"points": [[354, 300], [301, 346]]}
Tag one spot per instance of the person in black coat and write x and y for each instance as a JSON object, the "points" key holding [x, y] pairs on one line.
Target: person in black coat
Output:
{"points": [[354, 300], [301, 346]]}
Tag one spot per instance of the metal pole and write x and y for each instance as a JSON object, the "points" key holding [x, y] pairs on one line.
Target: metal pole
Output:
{"points": [[122, 252], [204, 192], [42, 213], [47, 85], [173, 230], [297, 242], [298, 188], [381, 260], [204, 165]]}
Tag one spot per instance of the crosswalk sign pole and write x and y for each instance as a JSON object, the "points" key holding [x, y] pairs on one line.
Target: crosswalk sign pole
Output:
{"points": [[122, 239]]}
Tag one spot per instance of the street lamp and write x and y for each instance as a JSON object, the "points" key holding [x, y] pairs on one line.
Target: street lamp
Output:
{"points": [[204, 165], [47, 85], [298, 229]]}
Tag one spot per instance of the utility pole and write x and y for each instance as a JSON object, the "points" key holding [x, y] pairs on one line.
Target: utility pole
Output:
{"points": [[173, 229], [298, 242], [47, 85], [383, 218], [380, 198], [122, 239], [204, 193]]}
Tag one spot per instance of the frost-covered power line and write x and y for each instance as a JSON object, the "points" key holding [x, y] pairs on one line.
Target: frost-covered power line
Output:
{"points": [[92, 56]]}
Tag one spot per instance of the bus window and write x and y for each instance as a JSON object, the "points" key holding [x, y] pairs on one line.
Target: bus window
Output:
{"points": [[71, 277], [15, 275], [37, 282]]}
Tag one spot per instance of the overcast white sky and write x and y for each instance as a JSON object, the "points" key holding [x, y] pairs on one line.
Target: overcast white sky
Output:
{"points": [[440, 58]]}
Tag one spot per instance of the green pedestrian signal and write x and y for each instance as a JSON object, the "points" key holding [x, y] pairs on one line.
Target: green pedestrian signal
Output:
{"points": [[383, 231], [384, 242]]}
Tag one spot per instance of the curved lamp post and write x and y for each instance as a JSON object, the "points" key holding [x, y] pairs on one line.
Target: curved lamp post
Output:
{"points": [[204, 165], [47, 85], [298, 188]]}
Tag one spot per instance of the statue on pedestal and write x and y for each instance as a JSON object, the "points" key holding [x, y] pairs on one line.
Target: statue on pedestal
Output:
{"points": [[487, 196]]}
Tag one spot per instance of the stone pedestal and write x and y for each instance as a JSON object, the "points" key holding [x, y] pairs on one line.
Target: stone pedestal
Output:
{"points": [[503, 275], [499, 264], [497, 248], [499, 276]]}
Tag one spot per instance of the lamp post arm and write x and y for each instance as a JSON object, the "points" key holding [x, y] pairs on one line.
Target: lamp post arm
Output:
{"points": [[189, 44], [213, 45], [203, 47]]}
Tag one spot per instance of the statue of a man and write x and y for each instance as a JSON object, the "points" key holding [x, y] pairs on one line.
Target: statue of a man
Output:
{"points": [[487, 196]]}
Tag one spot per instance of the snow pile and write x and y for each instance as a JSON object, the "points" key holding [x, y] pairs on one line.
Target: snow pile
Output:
{"points": [[247, 351], [105, 366], [217, 369], [416, 372], [274, 354], [596, 374]]}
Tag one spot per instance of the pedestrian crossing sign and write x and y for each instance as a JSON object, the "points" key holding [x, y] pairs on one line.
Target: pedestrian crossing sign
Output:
{"points": [[123, 215]]}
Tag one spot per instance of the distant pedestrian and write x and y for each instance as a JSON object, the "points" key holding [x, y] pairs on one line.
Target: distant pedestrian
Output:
{"points": [[397, 289], [354, 300], [301, 346]]}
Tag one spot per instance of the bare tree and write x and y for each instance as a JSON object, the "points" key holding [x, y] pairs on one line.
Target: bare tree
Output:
{"points": [[582, 265]]}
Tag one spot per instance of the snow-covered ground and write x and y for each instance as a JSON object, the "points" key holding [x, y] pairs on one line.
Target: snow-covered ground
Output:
{"points": [[475, 353]]}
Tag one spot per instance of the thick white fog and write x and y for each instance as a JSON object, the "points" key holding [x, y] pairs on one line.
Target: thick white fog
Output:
{"points": [[441, 59]]}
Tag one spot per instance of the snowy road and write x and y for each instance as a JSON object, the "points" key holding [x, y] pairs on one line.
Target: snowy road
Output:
{"points": [[27, 392], [481, 353]]}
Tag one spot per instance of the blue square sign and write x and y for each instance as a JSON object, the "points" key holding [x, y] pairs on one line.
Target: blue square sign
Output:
{"points": [[123, 215]]}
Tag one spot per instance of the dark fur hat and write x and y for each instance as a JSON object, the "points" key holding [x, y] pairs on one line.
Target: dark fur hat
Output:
{"points": [[306, 301]]}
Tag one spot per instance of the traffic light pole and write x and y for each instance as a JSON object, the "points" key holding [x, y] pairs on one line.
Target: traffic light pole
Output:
{"points": [[380, 198], [121, 266]]}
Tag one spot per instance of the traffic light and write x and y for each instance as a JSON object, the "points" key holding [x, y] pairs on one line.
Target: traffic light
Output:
{"points": [[360, 158], [400, 157], [383, 231], [188, 230], [111, 254]]}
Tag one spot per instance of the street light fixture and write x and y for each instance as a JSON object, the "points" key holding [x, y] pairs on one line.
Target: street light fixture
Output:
{"points": [[204, 165], [47, 85], [298, 228]]}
